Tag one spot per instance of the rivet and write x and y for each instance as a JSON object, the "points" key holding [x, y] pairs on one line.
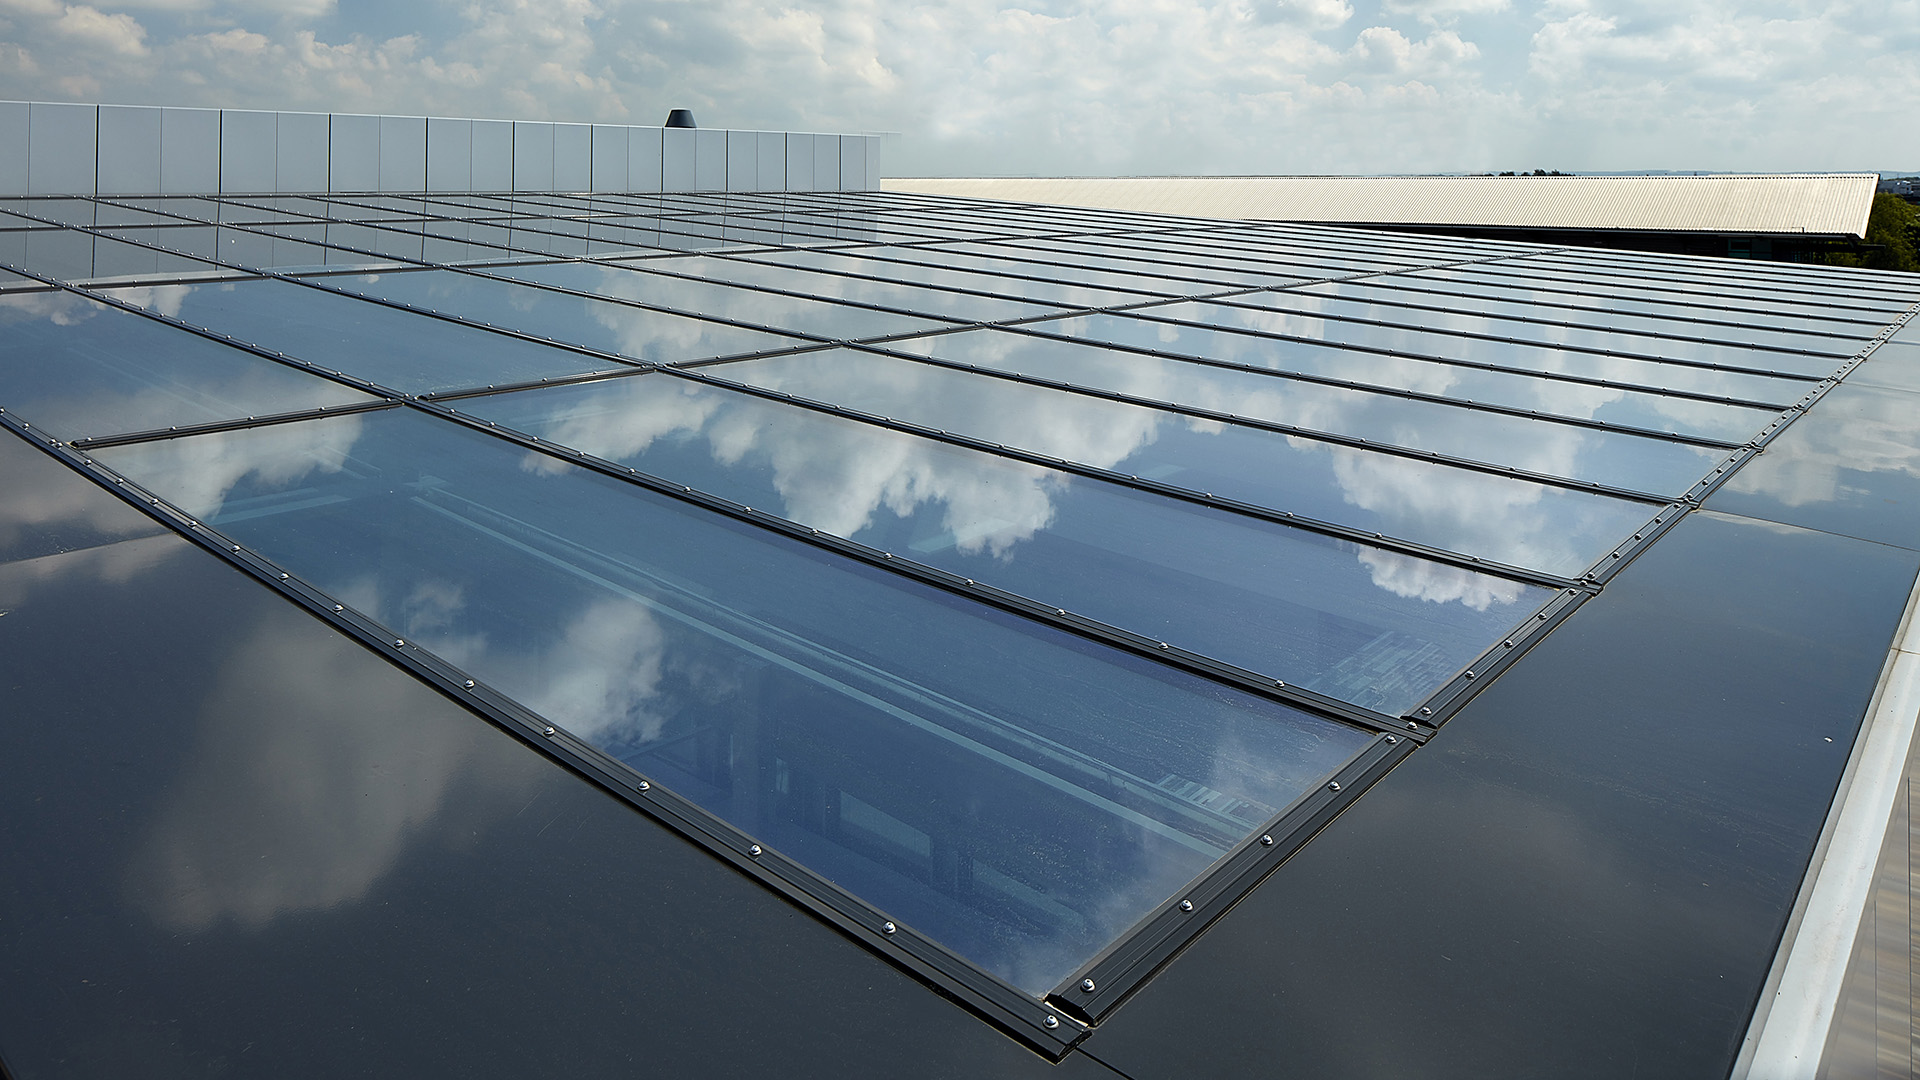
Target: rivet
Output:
{"points": [[969, 581], [1281, 683], [468, 684], [644, 786], [1506, 644], [1050, 1022], [337, 607], [1471, 675], [1059, 611], [1616, 554], [753, 850], [1087, 985], [1164, 645], [888, 928], [1426, 712], [548, 731], [1186, 905], [1393, 740], [886, 554], [283, 577], [399, 642], [1333, 785], [1266, 840], [122, 480], [1413, 726]]}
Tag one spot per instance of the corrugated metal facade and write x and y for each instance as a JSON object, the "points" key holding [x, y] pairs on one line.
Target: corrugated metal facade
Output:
{"points": [[1833, 204]]}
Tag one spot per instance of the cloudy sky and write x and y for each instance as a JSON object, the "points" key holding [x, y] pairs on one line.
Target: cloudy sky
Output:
{"points": [[1056, 87]]}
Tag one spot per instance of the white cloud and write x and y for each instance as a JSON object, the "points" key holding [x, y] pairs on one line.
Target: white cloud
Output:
{"points": [[1056, 86]]}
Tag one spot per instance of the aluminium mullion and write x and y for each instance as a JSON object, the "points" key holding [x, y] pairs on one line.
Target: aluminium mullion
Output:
{"points": [[1273, 515], [273, 275], [237, 424], [1471, 290], [1016, 603], [1537, 321], [418, 264], [1430, 398], [1753, 294], [1395, 449], [1432, 358], [948, 269], [1591, 350], [1465, 309], [1034, 1023], [1753, 274]]}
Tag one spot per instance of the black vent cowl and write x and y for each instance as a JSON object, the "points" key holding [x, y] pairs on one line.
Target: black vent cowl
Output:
{"points": [[680, 118]]}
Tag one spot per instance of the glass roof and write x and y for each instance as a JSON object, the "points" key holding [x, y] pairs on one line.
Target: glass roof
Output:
{"points": [[1009, 570]]}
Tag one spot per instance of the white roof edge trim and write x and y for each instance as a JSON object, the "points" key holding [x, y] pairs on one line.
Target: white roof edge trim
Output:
{"points": [[1791, 1024], [1820, 204]]}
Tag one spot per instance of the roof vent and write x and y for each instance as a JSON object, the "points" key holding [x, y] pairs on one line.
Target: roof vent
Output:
{"points": [[680, 118]]}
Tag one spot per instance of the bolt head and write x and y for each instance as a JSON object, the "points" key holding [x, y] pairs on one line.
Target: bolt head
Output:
{"points": [[1186, 905], [1087, 985], [887, 928], [468, 684], [754, 850], [1334, 786], [1266, 840], [1051, 1022]]}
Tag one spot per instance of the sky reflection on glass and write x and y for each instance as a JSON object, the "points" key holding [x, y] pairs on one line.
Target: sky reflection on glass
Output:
{"points": [[1635, 463], [1019, 794], [1292, 605], [82, 369], [1475, 513], [637, 333]]}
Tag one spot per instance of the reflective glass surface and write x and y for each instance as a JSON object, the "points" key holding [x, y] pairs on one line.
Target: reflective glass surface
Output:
{"points": [[1554, 397], [1373, 627], [1373, 299], [1068, 265], [414, 354], [1019, 794], [1632, 462], [920, 274], [639, 333], [81, 369], [1851, 465], [953, 305], [241, 843], [1309, 310], [46, 508], [999, 266], [1490, 516], [780, 312]]}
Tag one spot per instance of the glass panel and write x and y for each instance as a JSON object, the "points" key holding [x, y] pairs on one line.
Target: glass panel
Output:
{"points": [[1046, 291], [1416, 307], [1831, 354], [414, 354], [953, 305], [827, 320], [1494, 517], [1019, 794], [1288, 604], [636, 332], [1068, 261], [1632, 462], [1519, 274], [46, 508], [1633, 408], [999, 268], [82, 369]]}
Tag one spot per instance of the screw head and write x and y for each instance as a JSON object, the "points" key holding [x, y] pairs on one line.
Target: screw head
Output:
{"points": [[1334, 786], [468, 684], [1266, 840], [887, 928], [283, 577], [548, 731], [754, 850], [1186, 905], [1050, 1022], [1393, 740], [1087, 985], [644, 786]]}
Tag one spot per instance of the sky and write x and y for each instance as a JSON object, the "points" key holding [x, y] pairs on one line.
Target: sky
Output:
{"points": [[1050, 88]]}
